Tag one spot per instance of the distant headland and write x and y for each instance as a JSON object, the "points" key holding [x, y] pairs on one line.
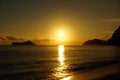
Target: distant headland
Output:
{"points": [[23, 43], [114, 40]]}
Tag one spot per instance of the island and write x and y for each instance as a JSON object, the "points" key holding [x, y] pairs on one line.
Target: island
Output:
{"points": [[95, 42], [114, 40], [23, 43]]}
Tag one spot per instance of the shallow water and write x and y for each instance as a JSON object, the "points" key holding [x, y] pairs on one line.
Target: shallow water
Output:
{"points": [[51, 63]]}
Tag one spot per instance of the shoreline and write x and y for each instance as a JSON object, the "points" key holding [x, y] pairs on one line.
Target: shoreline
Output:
{"points": [[108, 72]]}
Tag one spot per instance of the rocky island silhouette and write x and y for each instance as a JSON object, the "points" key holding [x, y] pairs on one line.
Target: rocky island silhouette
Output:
{"points": [[23, 43], [114, 40]]}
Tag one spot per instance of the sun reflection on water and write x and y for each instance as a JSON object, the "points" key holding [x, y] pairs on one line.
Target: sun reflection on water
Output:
{"points": [[61, 54], [62, 68]]}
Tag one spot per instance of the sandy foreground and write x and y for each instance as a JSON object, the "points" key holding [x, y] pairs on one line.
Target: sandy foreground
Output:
{"points": [[109, 72]]}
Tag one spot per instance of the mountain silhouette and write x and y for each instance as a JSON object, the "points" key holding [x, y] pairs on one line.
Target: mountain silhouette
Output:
{"points": [[114, 40], [23, 43]]}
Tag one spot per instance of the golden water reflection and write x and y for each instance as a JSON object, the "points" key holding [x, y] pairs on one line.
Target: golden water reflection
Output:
{"points": [[61, 54], [62, 66]]}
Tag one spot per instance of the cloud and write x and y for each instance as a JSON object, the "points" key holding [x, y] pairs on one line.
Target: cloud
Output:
{"points": [[113, 20], [43, 40], [46, 39], [11, 38]]}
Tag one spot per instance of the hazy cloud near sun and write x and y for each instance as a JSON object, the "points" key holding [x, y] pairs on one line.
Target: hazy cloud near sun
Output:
{"points": [[10, 38], [13, 38]]}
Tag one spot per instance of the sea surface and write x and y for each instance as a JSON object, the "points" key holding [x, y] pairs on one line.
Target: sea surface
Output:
{"points": [[53, 63]]}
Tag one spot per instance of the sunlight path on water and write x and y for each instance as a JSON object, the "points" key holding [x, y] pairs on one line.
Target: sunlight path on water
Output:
{"points": [[61, 54], [61, 70]]}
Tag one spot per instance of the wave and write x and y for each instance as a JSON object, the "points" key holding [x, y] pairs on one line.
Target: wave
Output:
{"points": [[38, 74]]}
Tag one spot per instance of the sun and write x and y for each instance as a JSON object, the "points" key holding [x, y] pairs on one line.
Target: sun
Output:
{"points": [[61, 34]]}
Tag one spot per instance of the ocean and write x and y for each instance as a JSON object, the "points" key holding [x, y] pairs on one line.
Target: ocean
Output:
{"points": [[53, 63]]}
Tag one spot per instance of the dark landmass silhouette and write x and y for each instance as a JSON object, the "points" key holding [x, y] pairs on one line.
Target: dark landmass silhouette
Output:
{"points": [[23, 43], [95, 42], [114, 40]]}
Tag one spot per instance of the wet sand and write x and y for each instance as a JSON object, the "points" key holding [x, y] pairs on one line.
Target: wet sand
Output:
{"points": [[108, 72]]}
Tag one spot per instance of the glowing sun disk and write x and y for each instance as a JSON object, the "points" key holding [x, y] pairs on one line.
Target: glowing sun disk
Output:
{"points": [[61, 34]]}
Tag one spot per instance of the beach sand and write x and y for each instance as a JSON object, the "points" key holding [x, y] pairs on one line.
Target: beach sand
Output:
{"points": [[108, 72]]}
